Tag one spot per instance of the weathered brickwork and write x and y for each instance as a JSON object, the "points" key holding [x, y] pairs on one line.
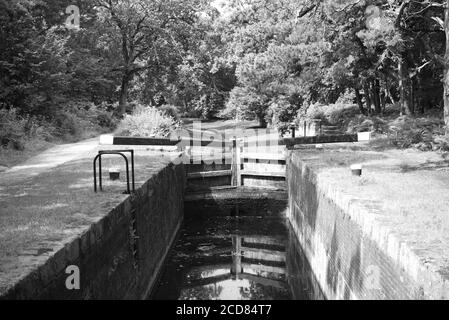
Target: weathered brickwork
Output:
{"points": [[352, 256], [303, 283], [118, 257]]}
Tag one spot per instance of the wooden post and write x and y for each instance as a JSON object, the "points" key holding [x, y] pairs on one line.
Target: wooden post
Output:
{"points": [[236, 268], [239, 162], [236, 178], [305, 128], [293, 132], [188, 153], [234, 163]]}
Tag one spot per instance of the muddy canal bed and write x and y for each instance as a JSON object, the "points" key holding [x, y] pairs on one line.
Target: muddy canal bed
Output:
{"points": [[234, 251]]}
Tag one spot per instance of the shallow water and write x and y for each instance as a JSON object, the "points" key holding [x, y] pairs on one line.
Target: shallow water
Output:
{"points": [[235, 257]]}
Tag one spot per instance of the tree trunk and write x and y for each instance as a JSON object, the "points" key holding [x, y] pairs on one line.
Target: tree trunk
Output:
{"points": [[404, 87], [358, 98], [366, 90], [376, 96], [123, 100], [446, 69], [389, 95], [412, 97], [419, 94], [184, 103], [262, 121], [383, 102]]}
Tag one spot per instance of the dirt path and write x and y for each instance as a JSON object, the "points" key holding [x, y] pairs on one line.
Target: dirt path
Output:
{"points": [[64, 153], [49, 159]]}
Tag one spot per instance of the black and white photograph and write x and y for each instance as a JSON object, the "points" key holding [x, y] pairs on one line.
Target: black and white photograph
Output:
{"points": [[247, 151]]}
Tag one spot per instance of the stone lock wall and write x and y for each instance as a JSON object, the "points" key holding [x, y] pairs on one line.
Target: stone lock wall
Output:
{"points": [[120, 256], [347, 261]]}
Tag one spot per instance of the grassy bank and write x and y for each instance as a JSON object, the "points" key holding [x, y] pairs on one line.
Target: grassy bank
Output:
{"points": [[391, 130]]}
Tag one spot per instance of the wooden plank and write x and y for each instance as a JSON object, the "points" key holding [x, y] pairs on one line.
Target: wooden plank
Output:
{"points": [[209, 174], [266, 183], [208, 143], [263, 254], [263, 174], [263, 156], [134, 141], [199, 157], [228, 192], [290, 142], [108, 139], [143, 141], [263, 268], [264, 167], [264, 241], [205, 161]]}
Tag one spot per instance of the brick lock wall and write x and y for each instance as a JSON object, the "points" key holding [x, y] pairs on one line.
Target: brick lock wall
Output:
{"points": [[346, 261], [120, 256]]}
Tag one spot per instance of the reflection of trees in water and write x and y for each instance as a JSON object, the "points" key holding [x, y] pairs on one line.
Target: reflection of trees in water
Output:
{"points": [[252, 292], [212, 252], [260, 292], [209, 292]]}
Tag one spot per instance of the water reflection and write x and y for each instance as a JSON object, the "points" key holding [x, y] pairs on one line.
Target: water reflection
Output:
{"points": [[253, 272], [235, 258], [227, 258]]}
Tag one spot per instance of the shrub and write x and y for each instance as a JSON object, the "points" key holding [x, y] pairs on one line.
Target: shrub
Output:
{"points": [[210, 105], [243, 103], [147, 122], [335, 114], [12, 129], [347, 97], [422, 133], [80, 119], [67, 124], [170, 111], [72, 121], [16, 130], [281, 113]]}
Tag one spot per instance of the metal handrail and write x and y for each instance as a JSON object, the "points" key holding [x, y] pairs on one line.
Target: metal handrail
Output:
{"points": [[114, 152]]}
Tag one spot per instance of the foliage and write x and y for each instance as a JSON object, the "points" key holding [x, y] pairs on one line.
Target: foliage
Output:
{"points": [[314, 52], [333, 114], [281, 112], [170, 111], [16, 130], [277, 61], [209, 105], [147, 122], [244, 103]]}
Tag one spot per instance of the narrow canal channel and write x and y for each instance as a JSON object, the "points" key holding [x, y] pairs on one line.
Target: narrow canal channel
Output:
{"points": [[236, 249]]}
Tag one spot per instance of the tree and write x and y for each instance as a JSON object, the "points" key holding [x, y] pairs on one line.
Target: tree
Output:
{"points": [[140, 29], [446, 66]]}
